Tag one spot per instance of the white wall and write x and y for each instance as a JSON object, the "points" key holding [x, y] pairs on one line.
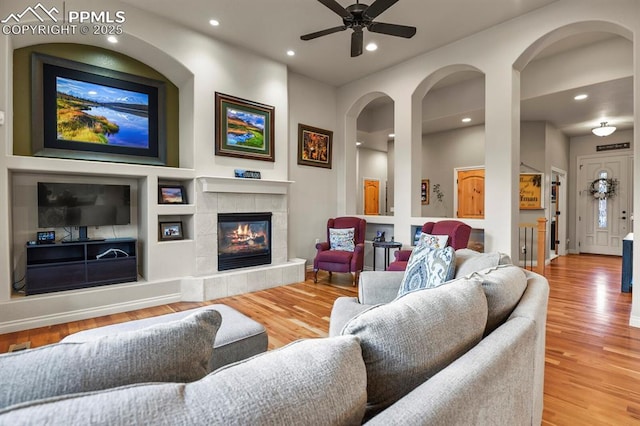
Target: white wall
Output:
{"points": [[312, 196], [441, 153], [200, 66], [372, 165]]}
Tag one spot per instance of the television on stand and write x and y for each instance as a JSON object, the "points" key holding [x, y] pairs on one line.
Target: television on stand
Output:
{"points": [[63, 205]]}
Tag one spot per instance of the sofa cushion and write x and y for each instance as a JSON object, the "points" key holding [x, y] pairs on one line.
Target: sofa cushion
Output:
{"points": [[469, 261], [406, 341], [428, 267], [342, 239], [309, 382], [503, 286], [177, 351]]}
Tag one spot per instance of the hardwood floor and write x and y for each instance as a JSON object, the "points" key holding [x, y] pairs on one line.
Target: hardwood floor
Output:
{"points": [[592, 374]]}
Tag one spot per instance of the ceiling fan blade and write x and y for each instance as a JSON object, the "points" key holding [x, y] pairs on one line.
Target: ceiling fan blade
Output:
{"points": [[378, 6], [357, 41], [392, 29], [336, 7], [328, 31]]}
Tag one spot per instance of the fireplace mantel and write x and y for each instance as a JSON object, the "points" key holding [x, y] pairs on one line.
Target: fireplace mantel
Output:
{"points": [[245, 186]]}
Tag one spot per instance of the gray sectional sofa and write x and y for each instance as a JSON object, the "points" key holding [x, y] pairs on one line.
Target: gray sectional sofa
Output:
{"points": [[469, 352]]}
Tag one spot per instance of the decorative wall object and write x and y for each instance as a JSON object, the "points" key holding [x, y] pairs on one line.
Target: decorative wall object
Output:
{"points": [[602, 188], [424, 192], [244, 128], [531, 191], [172, 194], [86, 112], [314, 146], [438, 193], [170, 231]]}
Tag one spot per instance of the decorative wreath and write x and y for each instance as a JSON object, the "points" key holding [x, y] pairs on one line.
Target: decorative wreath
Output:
{"points": [[603, 188]]}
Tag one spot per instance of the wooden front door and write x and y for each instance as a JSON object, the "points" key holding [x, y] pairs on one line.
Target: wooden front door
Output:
{"points": [[371, 197], [471, 193]]}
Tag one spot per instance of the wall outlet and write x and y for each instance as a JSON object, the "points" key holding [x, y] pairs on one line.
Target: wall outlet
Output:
{"points": [[317, 240], [523, 249], [1, 118]]}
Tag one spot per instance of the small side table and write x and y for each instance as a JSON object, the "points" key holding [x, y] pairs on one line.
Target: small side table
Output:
{"points": [[386, 245]]}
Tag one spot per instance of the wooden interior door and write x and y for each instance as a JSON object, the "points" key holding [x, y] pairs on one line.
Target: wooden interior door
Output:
{"points": [[371, 197], [471, 193]]}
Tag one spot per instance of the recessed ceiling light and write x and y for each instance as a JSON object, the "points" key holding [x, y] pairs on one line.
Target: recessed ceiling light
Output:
{"points": [[112, 39], [581, 97], [291, 53], [214, 22], [466, 120], [371, 47], [392, 135]]}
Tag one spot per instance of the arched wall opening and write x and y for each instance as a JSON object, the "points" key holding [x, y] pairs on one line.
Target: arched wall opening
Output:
{"points": [[556, 128], [360, 124]]}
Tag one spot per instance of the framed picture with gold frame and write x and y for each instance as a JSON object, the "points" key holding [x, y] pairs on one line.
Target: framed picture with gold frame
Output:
{"points": [[314, 146]]}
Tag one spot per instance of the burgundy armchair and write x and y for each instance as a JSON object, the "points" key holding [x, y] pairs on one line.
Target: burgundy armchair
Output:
{"points": [[337, 260], [457, 231]]}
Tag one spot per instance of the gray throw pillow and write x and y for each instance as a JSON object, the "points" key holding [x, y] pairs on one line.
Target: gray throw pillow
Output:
{"points": [[469, 261], [428, 267], [407, 341], [309, 382], [503, 286], [177, 351]]}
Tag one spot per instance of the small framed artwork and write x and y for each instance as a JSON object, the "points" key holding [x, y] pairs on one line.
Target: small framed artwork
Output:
{"points": [[170, 231], [172, 194], [314, 146], [424, 192], [244, 129]]}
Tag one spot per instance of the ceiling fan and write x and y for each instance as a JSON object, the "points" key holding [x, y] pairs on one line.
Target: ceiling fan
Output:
{"points": [[359, 16]]}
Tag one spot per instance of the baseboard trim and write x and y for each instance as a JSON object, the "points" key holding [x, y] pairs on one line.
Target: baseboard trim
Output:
{"points": [[634, 321], [82, 314]]}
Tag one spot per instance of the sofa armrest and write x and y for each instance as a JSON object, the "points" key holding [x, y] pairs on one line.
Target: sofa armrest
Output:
{"points": [[379, 286], [344, 308], [402, 255]]}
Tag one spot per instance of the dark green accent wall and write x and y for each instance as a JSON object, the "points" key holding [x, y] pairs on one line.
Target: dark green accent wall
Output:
{"points": [[90, 55]]}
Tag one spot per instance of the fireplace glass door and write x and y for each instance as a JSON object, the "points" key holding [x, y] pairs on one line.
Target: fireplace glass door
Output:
{"points": [[244, 239]]}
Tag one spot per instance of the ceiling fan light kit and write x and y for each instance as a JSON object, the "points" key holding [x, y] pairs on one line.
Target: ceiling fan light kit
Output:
{"points": [[359, 16], [603, 130]]}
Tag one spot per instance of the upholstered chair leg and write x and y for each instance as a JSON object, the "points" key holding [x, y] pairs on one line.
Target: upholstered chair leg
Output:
{"points": [[315, 275], [330, 275], [356, 278]]}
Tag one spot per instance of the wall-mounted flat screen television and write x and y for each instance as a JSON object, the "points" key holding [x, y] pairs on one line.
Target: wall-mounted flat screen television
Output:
{"points": [[83, 204]]}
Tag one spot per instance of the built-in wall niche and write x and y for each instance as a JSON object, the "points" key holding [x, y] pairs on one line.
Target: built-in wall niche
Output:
{"points": [[24, 213], [176, 207]]}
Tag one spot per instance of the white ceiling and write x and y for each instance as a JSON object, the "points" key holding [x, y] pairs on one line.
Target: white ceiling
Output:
{"points": [[271, 27]]}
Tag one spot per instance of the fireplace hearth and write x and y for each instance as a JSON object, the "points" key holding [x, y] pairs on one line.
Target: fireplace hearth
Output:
{"points": [[244, 239]]}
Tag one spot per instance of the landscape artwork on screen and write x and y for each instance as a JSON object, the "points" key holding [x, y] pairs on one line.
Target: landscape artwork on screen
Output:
{"points": [[245, 129], [95, 113]]}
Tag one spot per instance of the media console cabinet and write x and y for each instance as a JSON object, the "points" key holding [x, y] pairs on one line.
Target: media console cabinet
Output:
{"points": [[74, 265]]}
